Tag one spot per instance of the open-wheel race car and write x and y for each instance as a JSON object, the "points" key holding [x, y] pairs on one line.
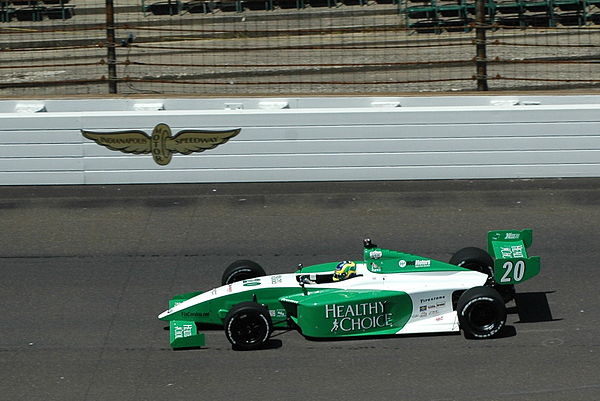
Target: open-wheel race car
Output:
{"points": [[387, 293]]}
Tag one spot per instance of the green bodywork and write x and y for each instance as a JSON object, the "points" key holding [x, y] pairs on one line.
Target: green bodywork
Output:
{"points": [[341, 313], [184, 334], [386, 261], [215, 310]]}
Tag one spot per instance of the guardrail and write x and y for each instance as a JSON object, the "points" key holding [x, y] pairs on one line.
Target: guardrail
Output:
{"points": [[104, 141]]}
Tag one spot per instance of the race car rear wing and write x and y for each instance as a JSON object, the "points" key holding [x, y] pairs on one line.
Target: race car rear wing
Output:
{"points": [[512, 265]]}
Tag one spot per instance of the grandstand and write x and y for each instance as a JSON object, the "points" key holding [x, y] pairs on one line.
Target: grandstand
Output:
{"points": [[33, 10], [433, 15]]}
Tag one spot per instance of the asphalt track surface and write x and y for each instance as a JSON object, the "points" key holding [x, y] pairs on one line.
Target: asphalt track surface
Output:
{"points": [[85, 271]]}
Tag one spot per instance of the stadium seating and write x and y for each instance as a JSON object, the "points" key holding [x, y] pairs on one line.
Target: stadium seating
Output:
{"points": [[285, 4], [450, 15], [167, 7], [199, 7], [33, 13], [6, 12], [421, 15], [536, 6], [34, 10], [59, 12], [258, 4]]}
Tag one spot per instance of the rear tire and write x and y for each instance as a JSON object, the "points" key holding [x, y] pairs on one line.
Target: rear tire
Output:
{"points": [[248, 326], [241, 270], [477, 259], [481, 312], [473, 258]]}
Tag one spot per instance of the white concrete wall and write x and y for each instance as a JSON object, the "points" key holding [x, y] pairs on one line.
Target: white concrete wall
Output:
{"points": [[305, 139]]}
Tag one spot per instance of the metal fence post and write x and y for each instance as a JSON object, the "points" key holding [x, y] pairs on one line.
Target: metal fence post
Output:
{"points": [[110, 46], [480, 44]]}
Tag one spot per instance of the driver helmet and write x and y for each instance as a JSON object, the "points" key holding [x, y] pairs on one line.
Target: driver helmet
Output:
{"points": [[344, 270]]}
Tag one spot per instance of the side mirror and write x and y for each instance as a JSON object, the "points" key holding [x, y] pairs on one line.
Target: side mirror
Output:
{"points": [[368, 244]]}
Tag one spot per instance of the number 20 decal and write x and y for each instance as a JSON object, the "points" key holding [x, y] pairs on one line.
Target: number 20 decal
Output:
{"points": [[517, 271]]}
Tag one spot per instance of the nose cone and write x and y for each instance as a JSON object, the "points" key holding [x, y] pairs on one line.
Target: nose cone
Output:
{"points": [[165, 315]]}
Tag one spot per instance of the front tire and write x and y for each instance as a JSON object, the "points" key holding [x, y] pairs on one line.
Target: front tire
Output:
{"points": [[481, 312], [248, 326], [241, 270]]}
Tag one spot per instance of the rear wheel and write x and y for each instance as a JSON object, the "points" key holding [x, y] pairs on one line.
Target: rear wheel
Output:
{"points": [[473, 258], [248, 326], [241, 270], [477, 259], [481, 312]]}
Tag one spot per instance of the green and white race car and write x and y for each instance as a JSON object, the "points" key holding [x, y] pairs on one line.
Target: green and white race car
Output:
{"points": [[387, 293]]}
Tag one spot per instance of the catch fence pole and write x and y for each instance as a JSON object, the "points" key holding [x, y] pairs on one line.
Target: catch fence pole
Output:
{"points": [[480, 44], [110, 46]]}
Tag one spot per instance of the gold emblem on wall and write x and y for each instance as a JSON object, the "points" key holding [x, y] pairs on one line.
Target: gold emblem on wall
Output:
{"points": [[160, 143]]}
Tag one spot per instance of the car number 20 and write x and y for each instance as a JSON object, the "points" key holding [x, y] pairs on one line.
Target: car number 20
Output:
{"points": [[513, 271]]}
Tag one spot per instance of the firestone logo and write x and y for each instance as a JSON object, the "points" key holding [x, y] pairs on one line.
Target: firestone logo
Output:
{"points": [[358, 317]]}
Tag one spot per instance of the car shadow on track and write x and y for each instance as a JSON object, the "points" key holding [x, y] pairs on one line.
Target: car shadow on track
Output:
{"points": [[532, 307]]}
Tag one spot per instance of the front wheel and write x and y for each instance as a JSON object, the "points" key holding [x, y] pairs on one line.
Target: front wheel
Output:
{"points": [[241, 270], [481, 312], [248, 326]]}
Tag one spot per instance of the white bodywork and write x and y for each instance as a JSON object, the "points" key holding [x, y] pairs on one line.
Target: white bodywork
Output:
{"points": [[430, 291]]}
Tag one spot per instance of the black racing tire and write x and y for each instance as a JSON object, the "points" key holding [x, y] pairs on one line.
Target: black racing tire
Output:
{"points": [[481, 313], [241, 270], [248, 326], [477, 259], [473, 258]]}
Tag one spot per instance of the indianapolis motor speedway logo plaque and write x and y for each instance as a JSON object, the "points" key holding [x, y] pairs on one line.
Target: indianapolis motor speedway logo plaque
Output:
{"points": [[161, 144]]}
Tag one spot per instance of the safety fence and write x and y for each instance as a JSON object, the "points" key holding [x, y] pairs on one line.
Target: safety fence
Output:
{"points": [[295, 47]]}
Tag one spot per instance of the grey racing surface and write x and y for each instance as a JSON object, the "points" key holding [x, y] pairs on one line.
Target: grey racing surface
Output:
{"points": [[86, 271]]}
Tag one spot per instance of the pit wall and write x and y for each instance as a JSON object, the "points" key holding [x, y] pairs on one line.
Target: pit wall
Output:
{"points": [[301, 139]]}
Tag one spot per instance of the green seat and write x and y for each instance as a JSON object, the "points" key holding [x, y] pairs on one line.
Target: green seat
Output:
{"points": [[6, 15], [426, 26], [63, 13], [322, 3], [457, 25], [594, 18], [258, 4], [452, 10], [569, 5], [511, 21], [167, 7], [489, 8], [420, 12], [540, 20], [537, 6], [571, 19], [285, 4], [30, 14], [228, 6], [509, 8]]}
